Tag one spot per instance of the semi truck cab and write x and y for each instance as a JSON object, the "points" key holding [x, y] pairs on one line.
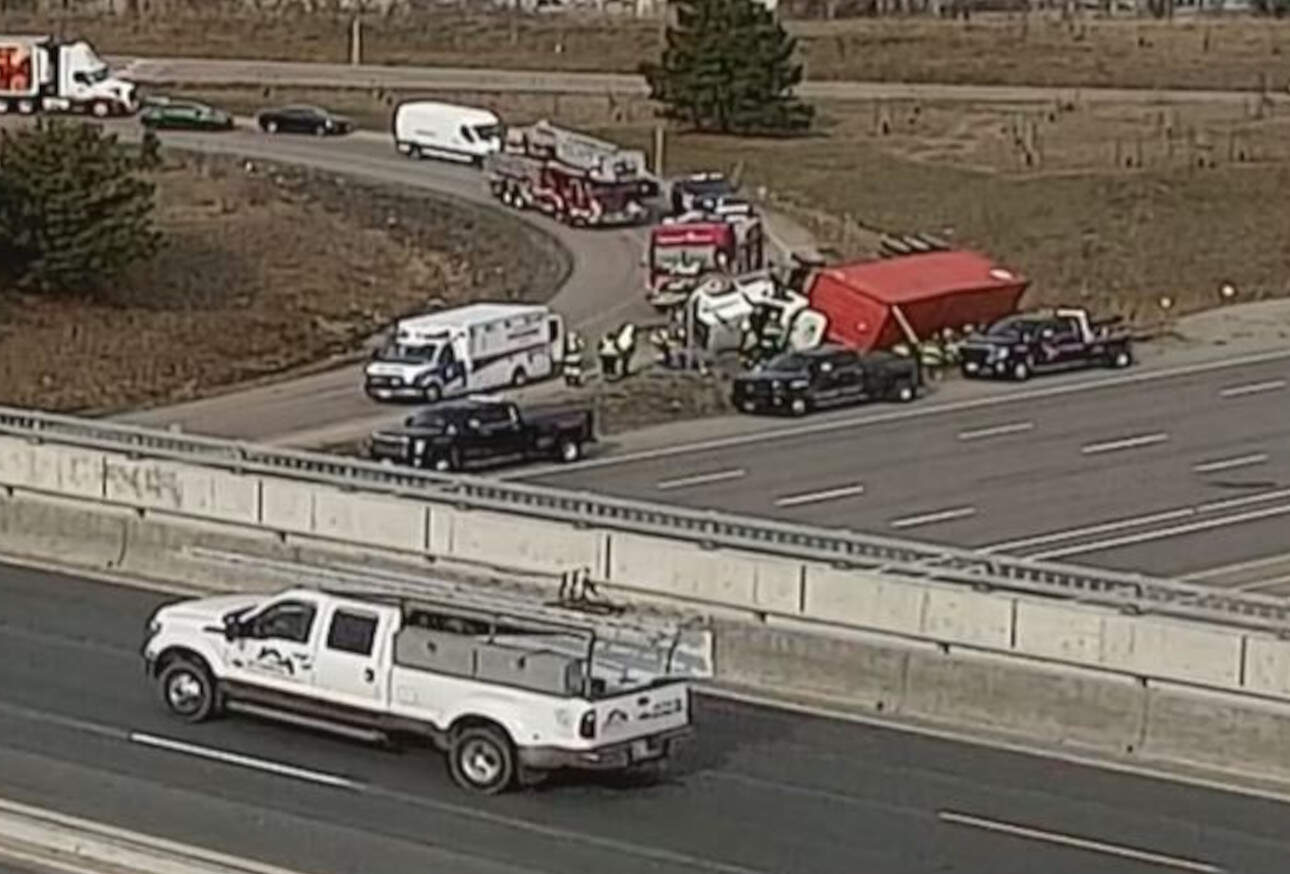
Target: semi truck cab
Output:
{"points": [[42, 74]]}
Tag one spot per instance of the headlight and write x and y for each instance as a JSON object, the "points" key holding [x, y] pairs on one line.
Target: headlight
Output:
{"points": [[396, 382], [1001, 353], [799, 383]]}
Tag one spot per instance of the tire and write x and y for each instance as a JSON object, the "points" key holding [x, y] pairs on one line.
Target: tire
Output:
{"points": [[4, 107], [519, 378], [415, 153], [799, 407], [447, 463], [320, 130], [270, 127], [1121, 358], [1021, 371], [482, 760], [569, 450], [432, 393], [26, 107], [100, 109], [903, 393], [187, 690]]}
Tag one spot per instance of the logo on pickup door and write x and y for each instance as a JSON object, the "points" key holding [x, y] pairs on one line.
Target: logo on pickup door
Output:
{"points": [[660, 709]]}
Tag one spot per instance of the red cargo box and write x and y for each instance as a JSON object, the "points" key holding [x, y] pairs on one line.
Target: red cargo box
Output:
{"points": [[933, 290]]}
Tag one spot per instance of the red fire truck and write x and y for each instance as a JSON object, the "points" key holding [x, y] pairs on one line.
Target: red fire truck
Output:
{"points": [[682, 253], [575, 178]]}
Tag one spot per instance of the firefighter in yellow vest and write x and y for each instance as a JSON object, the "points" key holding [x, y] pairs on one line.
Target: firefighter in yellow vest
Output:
{"points": [[573, 349]]}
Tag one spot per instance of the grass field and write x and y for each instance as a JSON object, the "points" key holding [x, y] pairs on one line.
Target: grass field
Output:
{"points": [[262, 272], [1231, 52], [1119, 207]]}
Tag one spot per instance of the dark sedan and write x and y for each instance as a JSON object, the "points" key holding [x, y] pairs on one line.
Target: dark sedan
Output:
{"points": [[303, 120], [178, 115]]}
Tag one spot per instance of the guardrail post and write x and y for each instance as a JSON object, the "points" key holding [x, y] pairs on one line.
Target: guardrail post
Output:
{"points": [[356, 41]]}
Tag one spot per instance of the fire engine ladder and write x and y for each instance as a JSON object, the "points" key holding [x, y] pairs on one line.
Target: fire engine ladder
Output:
{"points": [[600, 160]]}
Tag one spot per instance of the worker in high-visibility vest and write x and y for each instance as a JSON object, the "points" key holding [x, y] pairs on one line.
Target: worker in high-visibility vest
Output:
{"points": [[608, 351], [573, 348]]}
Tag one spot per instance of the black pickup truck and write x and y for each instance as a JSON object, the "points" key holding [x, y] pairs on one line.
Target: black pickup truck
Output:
{"points": [[1019, 346], [828, 376], [480, 432]]}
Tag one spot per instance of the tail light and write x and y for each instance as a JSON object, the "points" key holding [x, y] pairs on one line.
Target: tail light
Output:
{"points": [[587, 725]]}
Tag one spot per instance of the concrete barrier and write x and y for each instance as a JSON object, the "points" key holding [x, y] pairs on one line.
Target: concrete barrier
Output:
{"points": [[192, 491], [1226, 732], [506, 541], [864, 600], [57, 469]]}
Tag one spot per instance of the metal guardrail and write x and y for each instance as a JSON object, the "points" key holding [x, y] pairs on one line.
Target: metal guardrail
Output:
{"points": [[890, 556]]}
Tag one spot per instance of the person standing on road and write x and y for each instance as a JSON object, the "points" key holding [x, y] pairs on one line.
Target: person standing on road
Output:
{"points": [[573, 348], [608, 357]]}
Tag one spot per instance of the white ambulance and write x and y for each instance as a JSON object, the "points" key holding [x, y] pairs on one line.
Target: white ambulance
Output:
{"points": [[465, 350]]}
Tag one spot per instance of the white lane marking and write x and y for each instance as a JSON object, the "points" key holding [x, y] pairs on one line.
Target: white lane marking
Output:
{"points": [[900, 415], [930, 518], [997, 431], [1102, 528], [1237, 567], [1138, 522], [826, 495], [1256, 585], [1124, 443], [1164, 533], [1229, 463], [1094, 846], [228, 758], [700, 479], [1252, 388]]}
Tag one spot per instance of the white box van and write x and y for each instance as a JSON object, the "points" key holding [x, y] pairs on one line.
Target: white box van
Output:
{"points": [[465, 350], [425, 128]]}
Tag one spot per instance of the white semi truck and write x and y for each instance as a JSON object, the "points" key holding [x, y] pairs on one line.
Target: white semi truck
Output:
{"points": [[508, 698], [43, 74]]}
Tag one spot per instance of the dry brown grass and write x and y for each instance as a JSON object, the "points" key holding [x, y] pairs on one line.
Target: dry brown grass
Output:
{"points": [[262, 272], [1231, 52], [1117, 209]]}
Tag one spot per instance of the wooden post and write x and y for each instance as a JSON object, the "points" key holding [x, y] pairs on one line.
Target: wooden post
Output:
{"points": [[356, 41], [658, 150]]}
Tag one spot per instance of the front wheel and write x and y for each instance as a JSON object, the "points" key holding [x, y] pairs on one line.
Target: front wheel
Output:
{"points": [[482, 760], [271, 127], [903, 393], [432, 393], [100, 109], [1021, 371], [799, 407], [187, 690], [519, 378], [1121, 358]]}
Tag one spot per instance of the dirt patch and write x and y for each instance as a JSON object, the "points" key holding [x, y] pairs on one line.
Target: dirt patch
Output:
{"points": [[266, 268], [1038, 49]]}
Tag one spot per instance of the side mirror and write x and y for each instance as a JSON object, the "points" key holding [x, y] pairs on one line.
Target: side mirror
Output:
{"points": [[232, 630]]}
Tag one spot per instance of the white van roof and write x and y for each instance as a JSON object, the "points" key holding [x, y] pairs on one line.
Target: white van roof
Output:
{"points": [[466, 114], [446, 320]]}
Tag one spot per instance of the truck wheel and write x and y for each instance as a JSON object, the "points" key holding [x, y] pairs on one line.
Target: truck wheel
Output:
{"points": [[447, 463], [519, 378], [1121, 358], [26, 107], [100, 109], [799, 407], [432, 393], [570, 450], [271, 127], [482, 760], [320, 130], [415, 153], [4, 107], [903, 393], [187, 690], [1021, 371]]}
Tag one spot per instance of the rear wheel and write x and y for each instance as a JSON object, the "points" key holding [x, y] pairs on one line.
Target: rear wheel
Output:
{"points": [[447, 462], [482, 759], [271, 127], [799, 407], [414, 152], [570, 450], [1021, 371], [26, 107], [320, 130], [1121, 358], [903, 393], [519, 378]]}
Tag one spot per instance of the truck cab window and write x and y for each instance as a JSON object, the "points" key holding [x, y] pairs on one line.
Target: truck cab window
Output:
{"points": [[352, 632], [466, 134], [447, 357], [289, 620]]}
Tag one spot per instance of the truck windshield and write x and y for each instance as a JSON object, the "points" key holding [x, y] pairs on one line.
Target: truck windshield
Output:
{"points": [[488, 131], [684, 259], [95, 75], [789, 363], [408, 353]]}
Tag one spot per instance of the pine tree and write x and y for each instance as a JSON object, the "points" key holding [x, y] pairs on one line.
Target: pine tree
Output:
{"points": [[74, 210], [729, 67]]}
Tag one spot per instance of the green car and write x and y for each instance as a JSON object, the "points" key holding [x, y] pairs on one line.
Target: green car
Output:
{"points": [[186, 116]]}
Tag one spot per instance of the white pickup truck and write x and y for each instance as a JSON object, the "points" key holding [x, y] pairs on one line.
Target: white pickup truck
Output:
{"points": [[508, 699]]}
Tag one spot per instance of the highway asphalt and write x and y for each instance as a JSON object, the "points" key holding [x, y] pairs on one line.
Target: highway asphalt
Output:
{"points": [[1173, 475], [759, 790], [482, 80]]}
